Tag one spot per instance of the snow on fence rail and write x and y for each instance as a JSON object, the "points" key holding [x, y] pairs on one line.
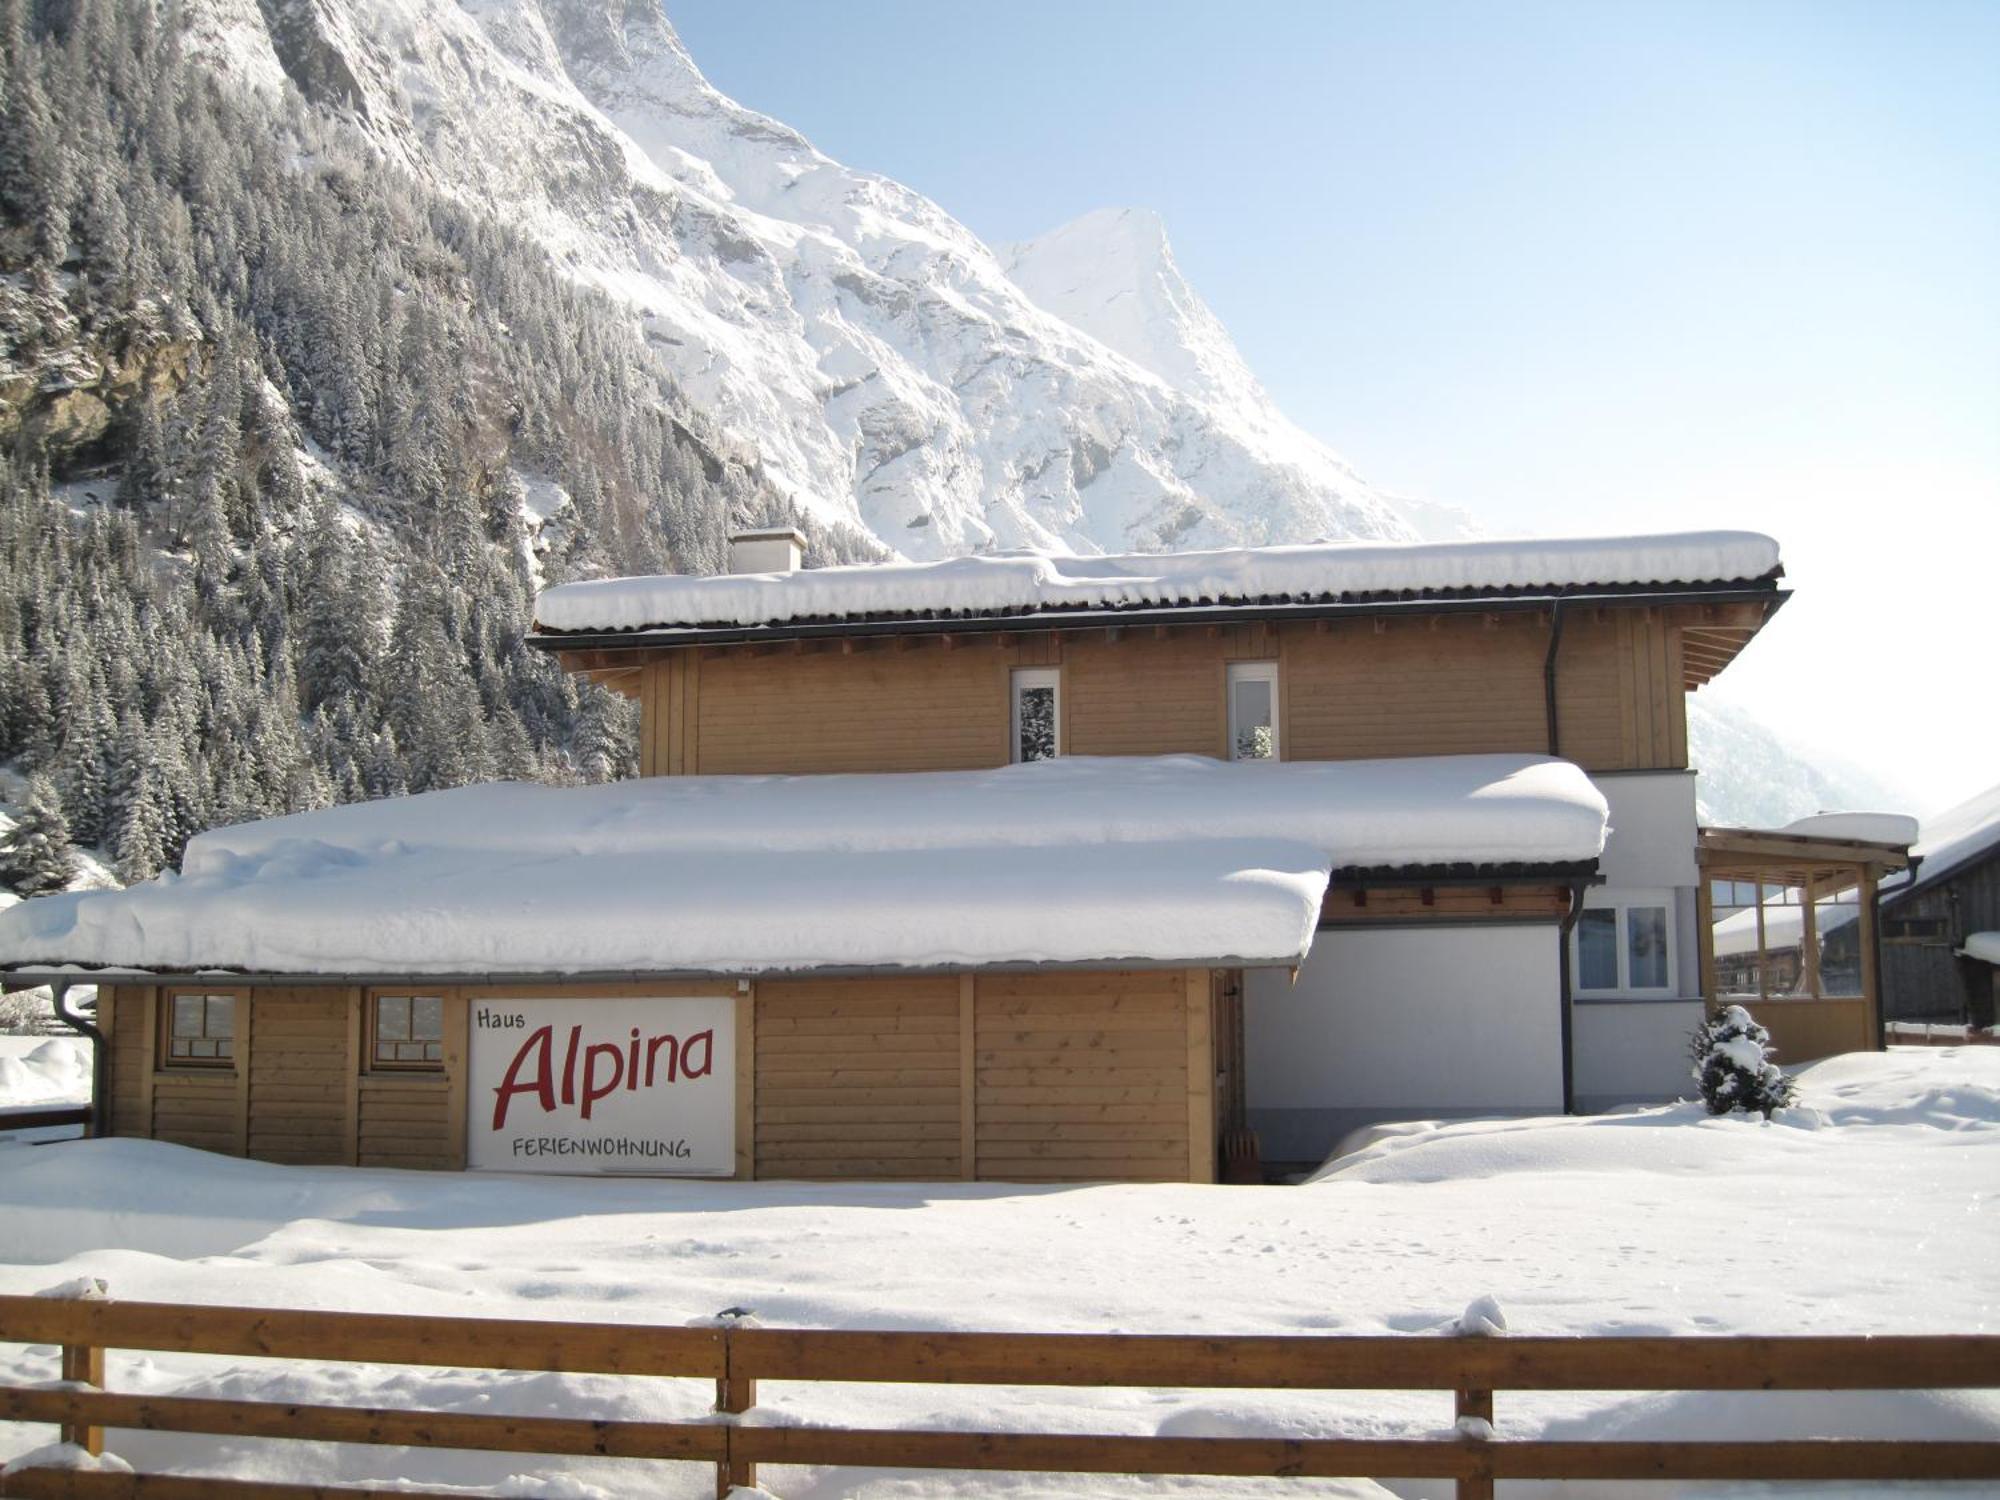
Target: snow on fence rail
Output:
{"points": [[737, 1357], [1929, 1034]]}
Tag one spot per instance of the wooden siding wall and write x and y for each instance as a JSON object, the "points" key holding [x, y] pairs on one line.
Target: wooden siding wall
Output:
{"points": [[299, 1063], [1349, 689], [1087, 1076], [1054, 1077], [1804, 1031], [298, 1092], [858, 1078], [124, 1014]]}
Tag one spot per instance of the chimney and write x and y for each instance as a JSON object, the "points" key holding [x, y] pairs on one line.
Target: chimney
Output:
{"points": [[778, 549]]}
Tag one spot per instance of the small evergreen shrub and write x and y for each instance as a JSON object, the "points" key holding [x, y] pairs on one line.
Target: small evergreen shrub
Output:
{"points": [[1732, 1063]]}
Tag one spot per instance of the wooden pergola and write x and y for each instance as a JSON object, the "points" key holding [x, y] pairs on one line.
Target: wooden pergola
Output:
{"points": [[1807, 1022]]}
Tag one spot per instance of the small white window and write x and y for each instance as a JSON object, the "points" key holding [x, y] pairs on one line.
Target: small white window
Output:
{"points": [[1623, 945], [1037, 713], [1253, 710]]}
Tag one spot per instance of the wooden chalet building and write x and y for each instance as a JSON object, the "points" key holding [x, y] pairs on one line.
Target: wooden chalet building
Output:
{"points": [[1015, 867]]}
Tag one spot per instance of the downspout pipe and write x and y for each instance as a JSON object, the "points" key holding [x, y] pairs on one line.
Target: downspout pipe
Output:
{"points": [[99, 1058], [1549, 675], [1569, 922]]}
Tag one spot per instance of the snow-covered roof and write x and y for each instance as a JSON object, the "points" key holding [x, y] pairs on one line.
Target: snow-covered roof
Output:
{"points": [[1036, 582], [1784, 927], [1951, 840], [1984, 946], [1169, 860], [1857, 827]]}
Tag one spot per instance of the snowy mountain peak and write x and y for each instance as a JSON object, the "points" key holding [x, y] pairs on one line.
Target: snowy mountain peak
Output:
{"points": [[871, 349], [1112, 274]]}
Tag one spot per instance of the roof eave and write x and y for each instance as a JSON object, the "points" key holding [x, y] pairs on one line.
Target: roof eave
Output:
{"points": [[1763, 591], [27, 976]]}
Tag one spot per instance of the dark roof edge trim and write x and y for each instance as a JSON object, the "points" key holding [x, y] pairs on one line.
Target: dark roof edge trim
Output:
{"points": [[1765, 592], [1566, 872]]}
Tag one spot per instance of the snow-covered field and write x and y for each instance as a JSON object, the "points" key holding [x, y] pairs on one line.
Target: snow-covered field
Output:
{"points": [[1871, 1208]]}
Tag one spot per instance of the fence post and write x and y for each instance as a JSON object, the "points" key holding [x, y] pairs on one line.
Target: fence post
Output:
{"points": [[84, 1364], [1478, 1405], [735, 1393]]}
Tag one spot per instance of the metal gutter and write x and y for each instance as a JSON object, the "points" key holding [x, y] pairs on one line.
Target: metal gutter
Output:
{"points": [[861, 628], [99, 1059], [1568, 999], [1549, 676]]}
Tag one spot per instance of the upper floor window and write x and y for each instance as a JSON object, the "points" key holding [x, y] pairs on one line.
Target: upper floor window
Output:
{"points": [[1623, 945], [200, 1031], [1253, 710], [1037, 713], [407, 1031]]}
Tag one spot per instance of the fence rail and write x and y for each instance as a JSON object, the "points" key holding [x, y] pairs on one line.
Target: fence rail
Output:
{"points": [[1939, 1034], [45, 1116], [736, 1358]]}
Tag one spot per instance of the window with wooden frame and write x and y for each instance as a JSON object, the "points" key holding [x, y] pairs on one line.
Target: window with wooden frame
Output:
{"points": [[1253, 710], [1037, 713], [198, 1030], [406, 1033]]}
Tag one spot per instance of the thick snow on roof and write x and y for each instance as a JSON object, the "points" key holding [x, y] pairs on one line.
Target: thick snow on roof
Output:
{"points": [[1784, 927], [1952, 838], [1179, 859], [1984, 946], [1859, 827], [1019, 582]]}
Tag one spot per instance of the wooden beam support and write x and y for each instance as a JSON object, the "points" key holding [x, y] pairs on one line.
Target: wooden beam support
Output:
{"points": [[968, 1078], [746, 1082], [1200, 1077]]}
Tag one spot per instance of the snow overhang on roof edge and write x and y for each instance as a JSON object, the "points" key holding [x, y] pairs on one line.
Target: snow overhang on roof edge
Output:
{"points": [[1036, 586], [1179, 860], [28, 975]]}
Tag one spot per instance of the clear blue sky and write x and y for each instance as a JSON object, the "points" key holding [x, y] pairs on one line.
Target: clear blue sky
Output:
{"points": [[1576, 267]]}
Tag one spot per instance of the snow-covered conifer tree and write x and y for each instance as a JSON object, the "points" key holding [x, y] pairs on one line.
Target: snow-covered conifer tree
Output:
{"points": [[1732, 1063], [36, 856]]}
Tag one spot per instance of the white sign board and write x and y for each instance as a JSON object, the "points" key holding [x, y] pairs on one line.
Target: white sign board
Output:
{"points": [[579, 1086]]}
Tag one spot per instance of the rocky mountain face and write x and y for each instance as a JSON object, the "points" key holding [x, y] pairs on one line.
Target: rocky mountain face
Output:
{"points": [[887, 369]]}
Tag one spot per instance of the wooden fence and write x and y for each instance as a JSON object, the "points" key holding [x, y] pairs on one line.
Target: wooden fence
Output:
{"points": [[736, 1358], [44, 1117]]}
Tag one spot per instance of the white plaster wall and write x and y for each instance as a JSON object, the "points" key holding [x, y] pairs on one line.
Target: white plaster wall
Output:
{"points": [[1403, 1022], [1652, 845], [1631, 1052], [1652, 829]]}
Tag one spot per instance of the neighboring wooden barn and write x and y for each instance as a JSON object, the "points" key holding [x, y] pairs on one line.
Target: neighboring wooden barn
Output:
{"points": [[1940, 955]]}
